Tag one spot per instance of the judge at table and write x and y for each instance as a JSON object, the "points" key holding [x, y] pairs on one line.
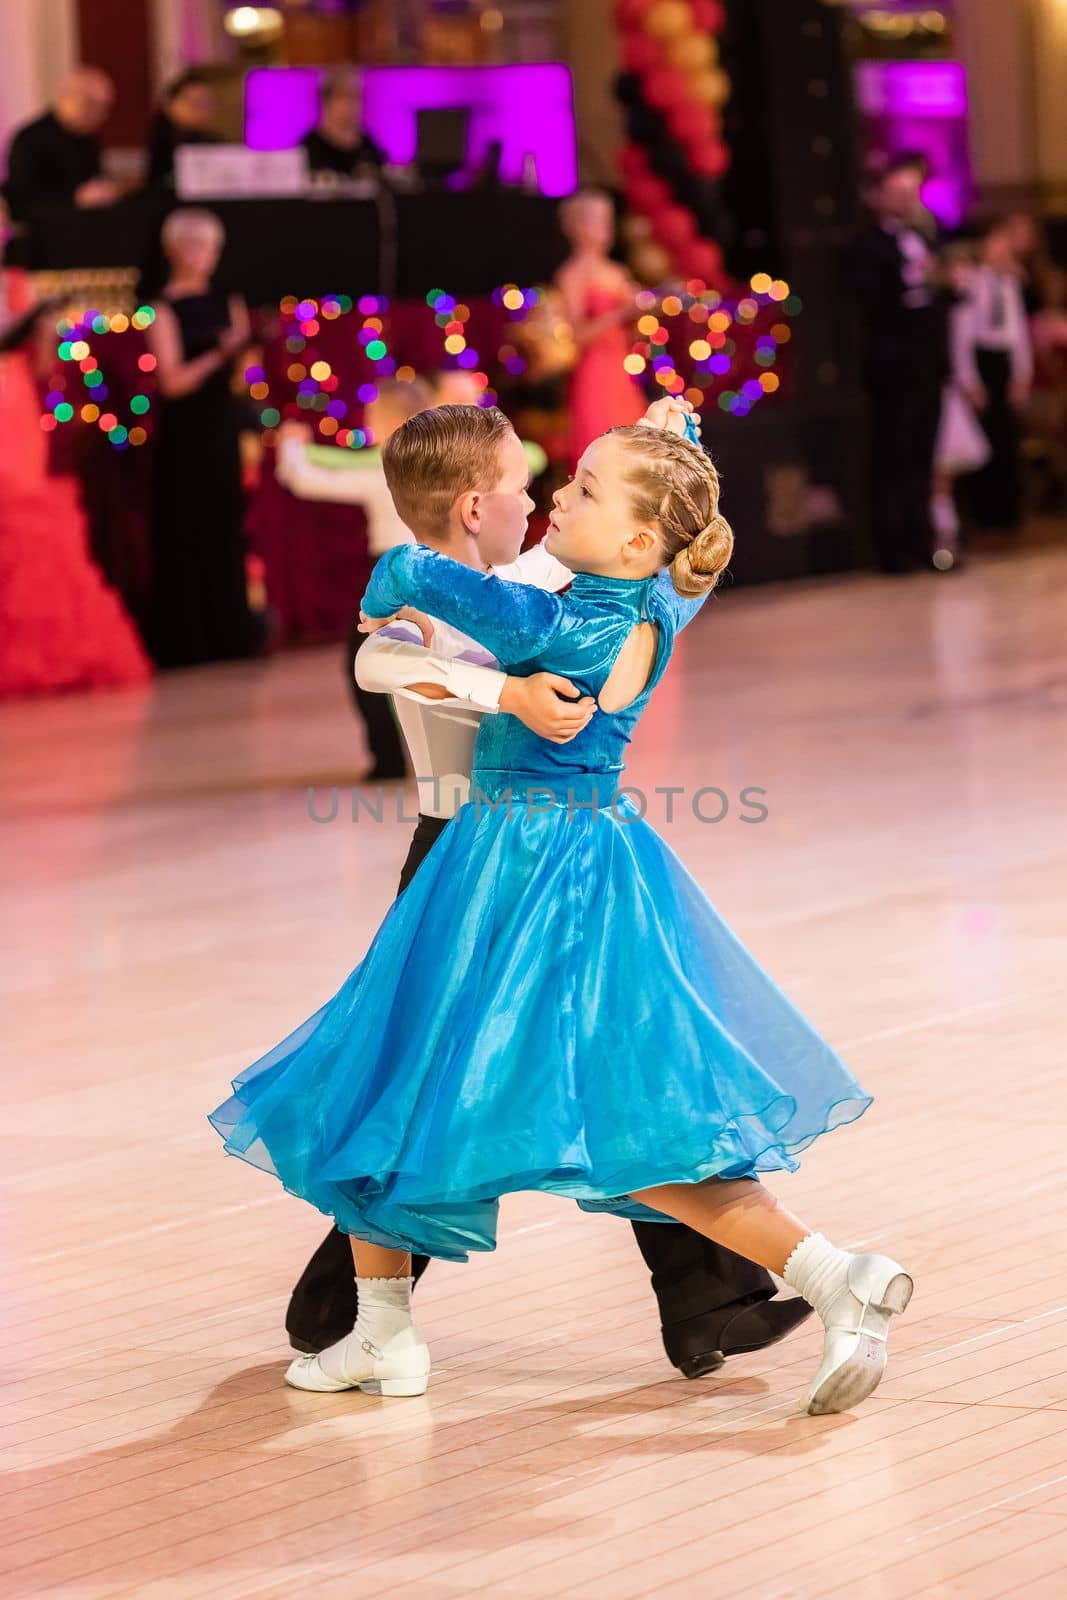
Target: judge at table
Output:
{"points": [[186, 116], [338, 144], [55, 161]]}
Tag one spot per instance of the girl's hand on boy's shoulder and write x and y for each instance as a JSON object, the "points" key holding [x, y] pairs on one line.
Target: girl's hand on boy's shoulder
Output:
{"points": [[670, 413]]}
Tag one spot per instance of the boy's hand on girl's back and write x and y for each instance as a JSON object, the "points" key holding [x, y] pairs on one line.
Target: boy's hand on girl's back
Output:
{"points": [[405, 614], [536, 702]]}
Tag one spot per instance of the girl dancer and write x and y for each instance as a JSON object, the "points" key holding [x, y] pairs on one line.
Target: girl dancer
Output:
{"points": [[553, 1003], [599, 297]]}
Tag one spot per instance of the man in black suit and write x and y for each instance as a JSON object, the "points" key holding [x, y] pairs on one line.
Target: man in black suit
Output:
{"points": [[55, 160], [905, 324]]}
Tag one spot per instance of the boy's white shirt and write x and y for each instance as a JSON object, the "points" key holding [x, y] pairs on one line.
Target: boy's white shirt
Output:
{"points": [[440, 734], [971, 327]]}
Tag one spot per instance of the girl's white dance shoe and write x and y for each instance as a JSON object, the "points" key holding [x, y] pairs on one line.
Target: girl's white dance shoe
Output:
{"points": [[855, 1296], [856, 1317], [399, 1366]]}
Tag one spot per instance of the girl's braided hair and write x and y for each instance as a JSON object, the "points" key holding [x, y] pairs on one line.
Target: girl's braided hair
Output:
{"points": [[674, 483]]}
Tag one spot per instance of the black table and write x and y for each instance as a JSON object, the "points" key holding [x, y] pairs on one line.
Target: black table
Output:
{"points": [[400, 245]]}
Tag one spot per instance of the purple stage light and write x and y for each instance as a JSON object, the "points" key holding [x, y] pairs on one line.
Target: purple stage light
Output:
{"points": [[922, 105], [912, 88], [528, 108]]}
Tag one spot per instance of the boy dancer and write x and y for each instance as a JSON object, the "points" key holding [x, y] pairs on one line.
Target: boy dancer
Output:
{"points": [[472, 506]]}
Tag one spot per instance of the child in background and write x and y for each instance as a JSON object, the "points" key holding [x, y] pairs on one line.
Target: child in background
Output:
{"points": [[355, 477], [993, 363], [961, 446]]}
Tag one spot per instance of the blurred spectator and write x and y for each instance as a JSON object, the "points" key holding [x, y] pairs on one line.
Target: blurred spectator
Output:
{"points": [[962, 446], [339, 143], [1048, 412], [904, 315], [993, 363], [1027, 247], [55, 161], [186, 116], [199, 610], [61, 627], [600, 302]]}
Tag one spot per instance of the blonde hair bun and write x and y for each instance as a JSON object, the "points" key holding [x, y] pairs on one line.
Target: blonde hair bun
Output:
{"points": [[698, 566]]}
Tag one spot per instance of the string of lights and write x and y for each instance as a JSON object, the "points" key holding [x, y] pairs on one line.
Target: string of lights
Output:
{"points": [[693, 341], [80, 393]]}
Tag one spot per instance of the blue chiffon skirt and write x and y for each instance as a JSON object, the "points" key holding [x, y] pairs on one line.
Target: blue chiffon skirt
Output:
{"points": [[553, 1004]]}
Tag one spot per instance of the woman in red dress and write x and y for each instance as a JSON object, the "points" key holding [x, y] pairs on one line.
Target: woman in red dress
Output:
{"points": [[61, 627], [600, 299]]}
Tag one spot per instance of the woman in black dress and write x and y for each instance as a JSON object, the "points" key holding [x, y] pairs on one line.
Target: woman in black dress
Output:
{"points": [[199, 608]]}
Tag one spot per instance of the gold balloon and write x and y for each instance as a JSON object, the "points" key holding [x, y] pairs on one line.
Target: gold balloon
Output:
{"points": [[545, 338], [636, 229], [651, 262], [692, 52], [668, 18], [710, 88]]}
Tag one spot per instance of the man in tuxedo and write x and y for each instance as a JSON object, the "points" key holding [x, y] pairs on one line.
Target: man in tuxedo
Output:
{"points": [[904, 315], [55, 160]]}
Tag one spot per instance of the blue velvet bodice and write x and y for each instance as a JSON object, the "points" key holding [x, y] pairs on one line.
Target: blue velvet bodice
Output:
{"points": [[578, 635]]}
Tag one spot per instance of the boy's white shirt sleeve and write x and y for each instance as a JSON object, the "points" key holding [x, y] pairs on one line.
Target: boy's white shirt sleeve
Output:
{"points": [[537, 567], [395, 657], [311, 482]]}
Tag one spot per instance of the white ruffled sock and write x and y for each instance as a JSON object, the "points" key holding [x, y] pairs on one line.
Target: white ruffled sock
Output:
{"points": [[818, 1271], [384, 1308], [384, 1311]]}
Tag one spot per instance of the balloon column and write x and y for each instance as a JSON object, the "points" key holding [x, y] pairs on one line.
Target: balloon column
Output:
{"points": [[672, 89]]}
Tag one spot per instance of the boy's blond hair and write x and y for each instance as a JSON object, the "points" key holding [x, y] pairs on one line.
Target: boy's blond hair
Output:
{"points": [[438, 455]]}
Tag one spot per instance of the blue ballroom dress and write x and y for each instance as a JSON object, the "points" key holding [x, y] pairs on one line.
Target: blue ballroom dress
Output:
{"points": [[552, 1003]]}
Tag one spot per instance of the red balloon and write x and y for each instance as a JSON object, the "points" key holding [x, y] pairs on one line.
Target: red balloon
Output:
{"points": [[690, 123], [703, 259], [648, 194], [665, 88], [640, 53], [711, 159], [708, 15], [675, 227], [633, 163], [628, 13]]}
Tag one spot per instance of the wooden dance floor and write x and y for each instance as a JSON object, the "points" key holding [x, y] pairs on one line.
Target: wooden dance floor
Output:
{"points": [[171, 911]]}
